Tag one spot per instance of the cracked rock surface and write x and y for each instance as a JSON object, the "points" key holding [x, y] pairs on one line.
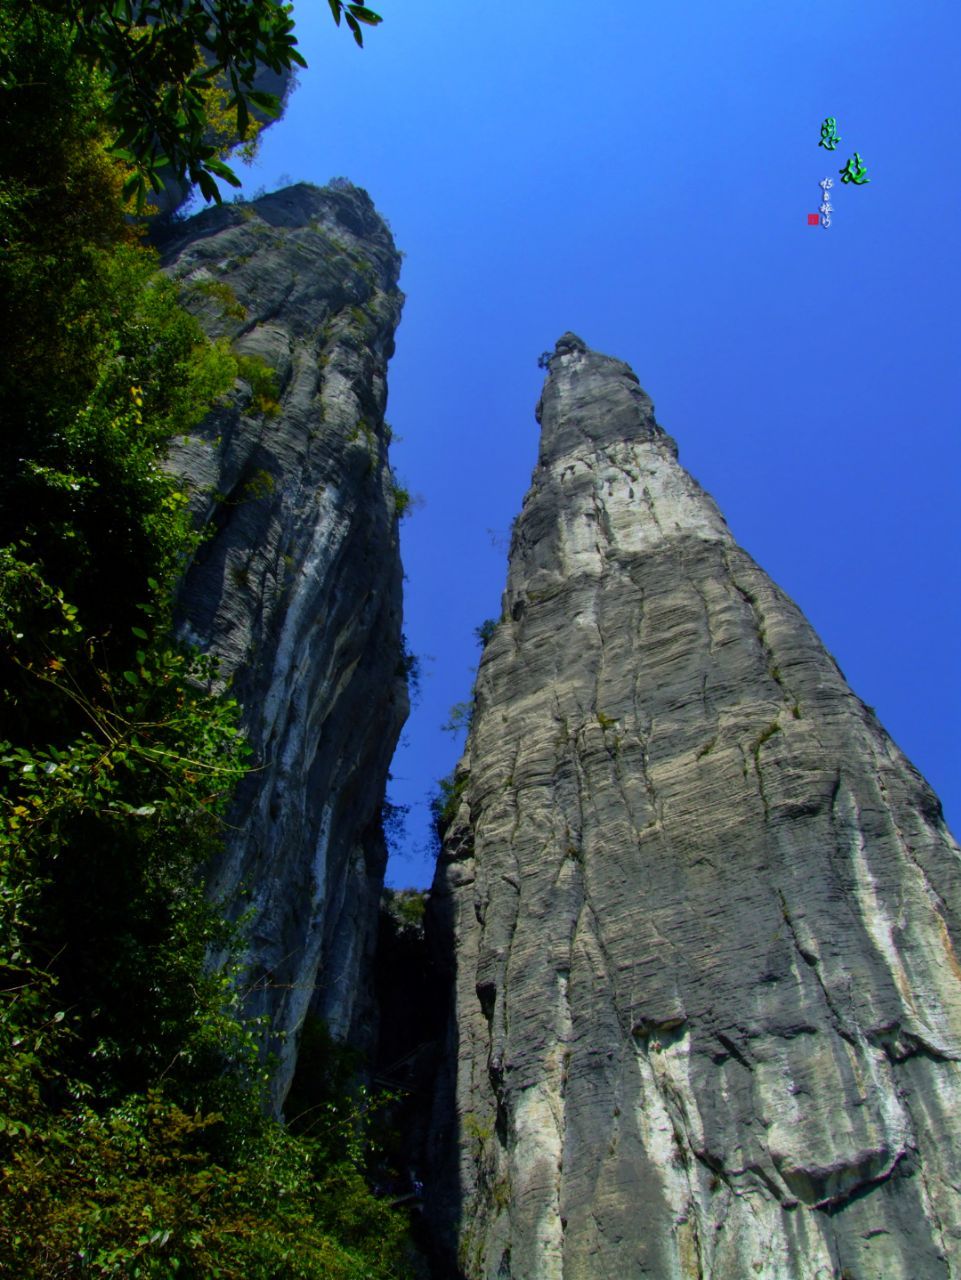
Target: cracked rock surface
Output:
{"points": [[701, 914], [297, 588]]}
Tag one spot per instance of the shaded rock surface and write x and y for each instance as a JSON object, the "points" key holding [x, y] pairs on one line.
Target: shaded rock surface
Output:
{"points": [[411, 1003], [297, 588], [704, 914]]}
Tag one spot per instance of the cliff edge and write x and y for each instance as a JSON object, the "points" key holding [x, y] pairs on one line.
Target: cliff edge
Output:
{"points": [[297, 586]]}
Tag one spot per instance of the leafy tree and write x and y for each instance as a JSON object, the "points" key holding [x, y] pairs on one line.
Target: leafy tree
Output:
{"points": [[158, 89], [133, 1139]]}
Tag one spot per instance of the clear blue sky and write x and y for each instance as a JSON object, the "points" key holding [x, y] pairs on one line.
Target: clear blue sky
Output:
{"points": [[642, 174]]}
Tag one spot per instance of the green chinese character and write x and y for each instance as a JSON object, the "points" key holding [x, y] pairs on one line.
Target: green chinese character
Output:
{"points": [[854, 171], [829, 134]]}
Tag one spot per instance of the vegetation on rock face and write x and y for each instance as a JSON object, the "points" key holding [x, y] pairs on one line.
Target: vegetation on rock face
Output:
{"points": [[459, 718], [408, 906], [264, 387], [409, 667], [402, 501], [485, 632], [446, 802], [132, 1136]]}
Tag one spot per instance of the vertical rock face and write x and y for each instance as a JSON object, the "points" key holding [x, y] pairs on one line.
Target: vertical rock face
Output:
{"points": [[297, 588], [705, 913]]}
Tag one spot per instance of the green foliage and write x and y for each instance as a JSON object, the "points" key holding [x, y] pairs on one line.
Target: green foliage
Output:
{"points": [[445, 803], [136, 1194], [476, 1130], [362, 430], [409, 666], [132, 1134], [263, 382], [402, 500], [88, 505], [354, 14], [260, 485], [768, 732], [158, 104], [408, 905], [485, 632], [223, 295], [459, 718], [393, 822], [326, 1073]]}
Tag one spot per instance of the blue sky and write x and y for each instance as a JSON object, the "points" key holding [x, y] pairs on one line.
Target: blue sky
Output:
{"points": [[642, 174]]}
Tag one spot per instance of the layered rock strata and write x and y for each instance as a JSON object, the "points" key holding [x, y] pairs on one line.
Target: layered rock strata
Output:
{"points": [[297, 587], [703, 913]]}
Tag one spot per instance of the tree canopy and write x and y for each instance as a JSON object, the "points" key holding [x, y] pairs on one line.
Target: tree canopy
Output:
{"points": [[133, 1139], [162, 57]]}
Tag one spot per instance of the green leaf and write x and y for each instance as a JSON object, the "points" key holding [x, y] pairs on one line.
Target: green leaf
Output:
{"points": [[131, 677], [208, 188], [335, 8], [136, 184], [139, 633], [268, 103], [363, 14], [358, 34], [243, 117], [222, 171]]}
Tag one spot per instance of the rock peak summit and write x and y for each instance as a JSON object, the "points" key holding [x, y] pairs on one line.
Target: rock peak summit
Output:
{"points": [[591, 399]]}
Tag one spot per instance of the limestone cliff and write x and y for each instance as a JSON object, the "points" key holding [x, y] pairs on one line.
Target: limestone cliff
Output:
{"points": [[297, 587], [703, 913]]}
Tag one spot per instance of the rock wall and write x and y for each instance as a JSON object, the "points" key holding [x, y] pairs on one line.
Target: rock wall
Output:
{"points": [[297, 587], [702, 915]]}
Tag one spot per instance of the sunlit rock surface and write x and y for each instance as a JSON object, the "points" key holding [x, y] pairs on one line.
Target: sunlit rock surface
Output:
{"points": [[298, 586], [702, 915]]}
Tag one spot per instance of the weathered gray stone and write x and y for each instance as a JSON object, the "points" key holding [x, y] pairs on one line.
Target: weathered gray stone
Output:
{"points": [[297, 588], [704, 915]]}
